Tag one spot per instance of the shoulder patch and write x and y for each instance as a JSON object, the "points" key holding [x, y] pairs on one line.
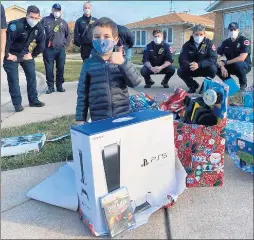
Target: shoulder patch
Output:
{"points": [[13, 27], [171, 49], [213, 47], [246, 42]]}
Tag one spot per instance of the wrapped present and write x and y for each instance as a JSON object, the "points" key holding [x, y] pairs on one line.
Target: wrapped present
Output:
{"points": [[248, 99], [142, 101], [240, 144], [201, 149], [240, 113]]}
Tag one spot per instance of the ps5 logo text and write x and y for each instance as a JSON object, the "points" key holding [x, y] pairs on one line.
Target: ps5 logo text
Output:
{"points": [[147, 161]]}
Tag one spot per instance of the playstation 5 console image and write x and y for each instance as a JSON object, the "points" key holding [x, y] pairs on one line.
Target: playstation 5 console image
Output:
{"points": [[114, 153]]}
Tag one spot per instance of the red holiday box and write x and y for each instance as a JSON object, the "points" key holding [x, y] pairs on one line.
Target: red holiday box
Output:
{"points": [[201, 148]]}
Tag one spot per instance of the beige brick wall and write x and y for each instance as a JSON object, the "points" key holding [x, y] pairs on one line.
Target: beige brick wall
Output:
{"points": [[218, 28], [12, 14]]}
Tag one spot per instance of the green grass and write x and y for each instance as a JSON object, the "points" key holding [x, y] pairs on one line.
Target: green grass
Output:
{"points": [[71, 70], [51, 152]]}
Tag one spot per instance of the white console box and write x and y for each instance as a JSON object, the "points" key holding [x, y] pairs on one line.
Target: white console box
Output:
{"points": [[137, 151]]}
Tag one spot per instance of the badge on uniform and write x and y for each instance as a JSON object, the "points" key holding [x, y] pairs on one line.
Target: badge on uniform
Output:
{"points": [[91, 22], [35, 32], [238, 45], [13, 27], [161, 50]]}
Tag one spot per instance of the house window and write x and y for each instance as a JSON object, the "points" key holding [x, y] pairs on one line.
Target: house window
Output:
{"points": [[243, 18], [140, 38], [134, 35], [168, 35]]}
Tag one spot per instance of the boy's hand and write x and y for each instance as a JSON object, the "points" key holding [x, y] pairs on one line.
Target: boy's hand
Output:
{"points": [[80, 122], [117, 57]]}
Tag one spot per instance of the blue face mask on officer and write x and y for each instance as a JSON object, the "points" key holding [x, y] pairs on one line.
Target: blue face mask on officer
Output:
{"points": [[103, 46]]}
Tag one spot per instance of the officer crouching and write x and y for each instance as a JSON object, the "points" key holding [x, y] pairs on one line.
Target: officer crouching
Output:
{"points": [[237, 50], [20, 34], [157, 59], [198, 58], [57, 39]]}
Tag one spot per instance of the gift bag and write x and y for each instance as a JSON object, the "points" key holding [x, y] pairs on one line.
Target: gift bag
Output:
{"points": [[201, 149], [240, 113], [248, 99], [240, 144], [142, 101]]}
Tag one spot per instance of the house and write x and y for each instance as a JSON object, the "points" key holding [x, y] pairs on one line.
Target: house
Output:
{"points": [[232, 11], [14, 12], [176, 28]]}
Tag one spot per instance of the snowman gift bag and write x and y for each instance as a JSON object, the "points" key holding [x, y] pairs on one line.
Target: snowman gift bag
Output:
{"points": [[201, 148]]}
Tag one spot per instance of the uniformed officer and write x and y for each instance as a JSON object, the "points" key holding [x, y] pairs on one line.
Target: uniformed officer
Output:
{"points": [[237, 50], [20, 33], [3, 32], [83, 33], [126, 39], [198, 58], [57, 39], [157, 59]]}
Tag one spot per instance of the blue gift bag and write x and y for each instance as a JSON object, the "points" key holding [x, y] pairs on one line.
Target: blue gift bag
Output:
{"points": [[233, 87]]}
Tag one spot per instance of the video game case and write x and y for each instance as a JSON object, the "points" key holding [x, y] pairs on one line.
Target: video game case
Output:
{"points": [[118, 211]]}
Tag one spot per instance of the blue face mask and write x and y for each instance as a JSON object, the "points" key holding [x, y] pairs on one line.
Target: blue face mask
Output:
{"points": [[103, 46]]}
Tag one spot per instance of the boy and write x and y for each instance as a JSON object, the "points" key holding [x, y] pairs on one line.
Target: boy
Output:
{"points": [[105, 76]]}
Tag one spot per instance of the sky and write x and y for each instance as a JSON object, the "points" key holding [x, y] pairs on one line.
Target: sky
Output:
{"points": [[122, 12]]}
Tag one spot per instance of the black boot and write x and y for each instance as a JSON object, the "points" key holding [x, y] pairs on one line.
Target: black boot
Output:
{"points": [[149, 83], [194, 87], [164, 83], [37, 104], [19, 108], [50, 90], [60, 89], [243, 86]]}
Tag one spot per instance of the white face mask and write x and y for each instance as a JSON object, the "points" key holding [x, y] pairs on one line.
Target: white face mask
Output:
{"points": [[57, 14], [157, 40], [233, 34], [198, 39], [87, 11], [32, 22]]}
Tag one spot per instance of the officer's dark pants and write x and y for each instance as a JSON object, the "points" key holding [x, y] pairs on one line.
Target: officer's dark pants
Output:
{"points": [[11, 69], [86, 51], [168, 71], [240, 69], [187, 75], [49, 56]]}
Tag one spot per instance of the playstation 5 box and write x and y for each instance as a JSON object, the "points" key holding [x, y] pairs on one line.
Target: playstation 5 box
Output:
{"points": [[134, 151]]}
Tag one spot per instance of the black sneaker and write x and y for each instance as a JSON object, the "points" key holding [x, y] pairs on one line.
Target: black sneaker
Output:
{"points": [[164, 84], [149, 83], [50, 90], [19, 108], [60, 89], [37, 104]]}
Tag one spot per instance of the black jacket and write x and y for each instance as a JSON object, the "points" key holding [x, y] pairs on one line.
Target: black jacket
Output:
{"points": [[204, 55], [103, 88], [233, 49], [57, 31], [126, 38], [157, 54], [83, 31], [20, 35]]}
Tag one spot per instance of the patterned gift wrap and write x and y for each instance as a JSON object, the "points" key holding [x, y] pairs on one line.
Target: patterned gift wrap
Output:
{"points": [[248, 99], [142, 101], [201, 151], [240, 144], [240, 113]]}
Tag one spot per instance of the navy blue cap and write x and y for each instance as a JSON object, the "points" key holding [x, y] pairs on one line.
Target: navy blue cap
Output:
{"points": [[233, 26], [57, 6]]}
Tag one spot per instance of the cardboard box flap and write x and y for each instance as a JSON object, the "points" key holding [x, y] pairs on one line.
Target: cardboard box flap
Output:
{"points": [[118, 122]]}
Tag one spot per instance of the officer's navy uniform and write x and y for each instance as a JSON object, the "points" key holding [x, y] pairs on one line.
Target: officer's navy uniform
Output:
{"points": [[57, 39], [83, 35], [19, 37], [157, 55], [232, 50], [204, 54]]}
